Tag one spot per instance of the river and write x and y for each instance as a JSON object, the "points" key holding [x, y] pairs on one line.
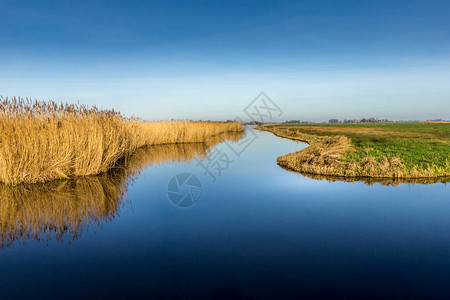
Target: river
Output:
{"points": [[223, 221]]}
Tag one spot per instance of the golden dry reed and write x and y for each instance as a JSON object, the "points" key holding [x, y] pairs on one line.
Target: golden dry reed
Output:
{"points": [[62, 210], [44, 141]]}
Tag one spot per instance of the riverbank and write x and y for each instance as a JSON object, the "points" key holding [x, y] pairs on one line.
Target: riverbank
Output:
{"points": [[45, 141], [382, 150]]}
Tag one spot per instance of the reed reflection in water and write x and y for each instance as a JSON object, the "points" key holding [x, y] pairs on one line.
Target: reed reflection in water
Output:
{"points": [[61, 210], [387, 181]]}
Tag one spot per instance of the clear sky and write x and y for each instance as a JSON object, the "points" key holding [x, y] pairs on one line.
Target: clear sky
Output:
{"points": [[208, 59]]}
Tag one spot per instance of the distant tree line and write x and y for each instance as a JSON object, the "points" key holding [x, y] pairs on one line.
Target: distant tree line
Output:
{"points": [[253, 123], [330, 121], [363, 120], [296, 122]]}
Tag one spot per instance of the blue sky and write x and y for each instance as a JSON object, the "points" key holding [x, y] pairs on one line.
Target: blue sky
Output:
{"points": [[209, 59]]}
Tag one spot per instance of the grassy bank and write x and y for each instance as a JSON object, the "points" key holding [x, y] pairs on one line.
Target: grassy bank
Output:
{"points": [[396, 150], [44, 141]]}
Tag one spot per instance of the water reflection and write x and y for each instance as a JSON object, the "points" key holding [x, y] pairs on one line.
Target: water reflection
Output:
{"points": [[374, 180], [61, 210]]}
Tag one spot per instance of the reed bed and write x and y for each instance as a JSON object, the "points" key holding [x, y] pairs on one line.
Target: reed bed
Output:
{"points": [[63, 210], [45, 141]]}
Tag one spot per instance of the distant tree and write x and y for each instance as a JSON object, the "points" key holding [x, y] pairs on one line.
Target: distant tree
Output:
{"points": [[292, 122], [333, 121]]}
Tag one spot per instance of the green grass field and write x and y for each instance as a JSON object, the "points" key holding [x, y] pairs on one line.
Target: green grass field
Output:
{"points": [[417, 145]]}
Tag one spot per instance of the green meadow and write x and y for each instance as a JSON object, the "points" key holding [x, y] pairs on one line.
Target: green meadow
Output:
{"points": [[418, 145]]}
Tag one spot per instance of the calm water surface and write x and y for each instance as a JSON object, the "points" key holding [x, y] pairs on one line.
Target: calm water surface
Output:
{"points": [[257, 232]]}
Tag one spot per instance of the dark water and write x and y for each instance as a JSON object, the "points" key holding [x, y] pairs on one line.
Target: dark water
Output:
{"points": [[257, 232]]}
